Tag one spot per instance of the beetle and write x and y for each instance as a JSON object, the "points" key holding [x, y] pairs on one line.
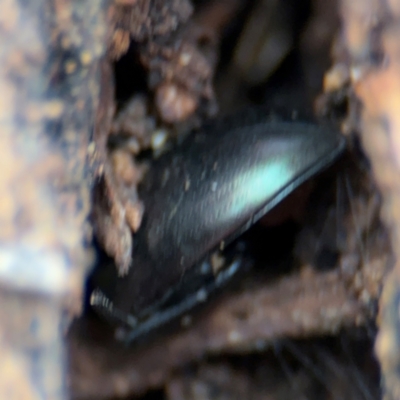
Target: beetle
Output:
{"points": [[201, 196]]}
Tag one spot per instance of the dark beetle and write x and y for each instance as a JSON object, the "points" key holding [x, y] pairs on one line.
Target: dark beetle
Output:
{"points": [[201, 196]]}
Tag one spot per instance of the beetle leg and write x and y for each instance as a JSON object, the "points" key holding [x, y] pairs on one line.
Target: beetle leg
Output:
{"points": [[134, 329]]}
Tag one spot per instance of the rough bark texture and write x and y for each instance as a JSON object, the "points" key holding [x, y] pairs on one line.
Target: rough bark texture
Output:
{"points": [[372, 41], [49, 93]]}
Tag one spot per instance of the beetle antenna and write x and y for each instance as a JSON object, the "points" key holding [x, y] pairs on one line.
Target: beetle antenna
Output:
{"points": [[104, 306]]}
